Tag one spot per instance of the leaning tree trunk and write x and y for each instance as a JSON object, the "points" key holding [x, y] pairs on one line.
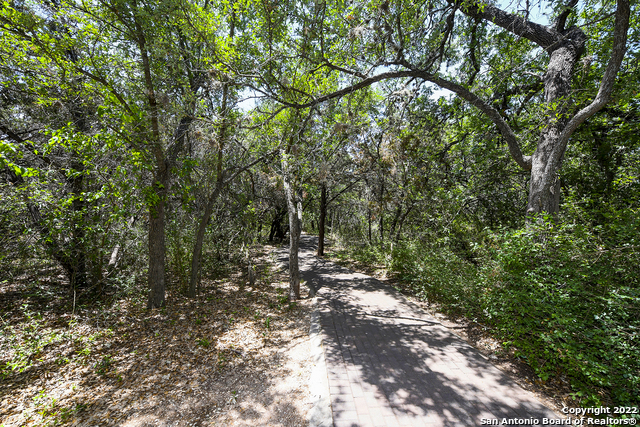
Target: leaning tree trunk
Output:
{"points": [[196, 259], [197, 249], [202, 228]]}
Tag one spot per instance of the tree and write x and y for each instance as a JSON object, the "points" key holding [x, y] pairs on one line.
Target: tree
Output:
{"points": [[151, 102], [407, 41], [50, 115]]}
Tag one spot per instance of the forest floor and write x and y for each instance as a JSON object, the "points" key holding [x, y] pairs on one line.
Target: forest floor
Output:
{"points": [[235, 356], [553, 394]]}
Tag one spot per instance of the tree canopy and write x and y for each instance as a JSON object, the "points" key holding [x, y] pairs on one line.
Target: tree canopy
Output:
{"points": [[473, 147]]}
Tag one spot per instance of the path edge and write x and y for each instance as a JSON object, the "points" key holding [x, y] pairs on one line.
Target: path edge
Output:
{"points": [[320, 415]]}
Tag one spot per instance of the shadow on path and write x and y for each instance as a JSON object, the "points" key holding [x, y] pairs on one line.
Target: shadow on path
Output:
{"points": [[391, 364]]}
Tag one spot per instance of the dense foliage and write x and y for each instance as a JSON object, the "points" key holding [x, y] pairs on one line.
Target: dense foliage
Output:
{"points": [[151, 143], [562, 295]]}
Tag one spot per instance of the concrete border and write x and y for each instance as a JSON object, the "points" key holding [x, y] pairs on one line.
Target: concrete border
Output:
{"points": [[320, 415]]}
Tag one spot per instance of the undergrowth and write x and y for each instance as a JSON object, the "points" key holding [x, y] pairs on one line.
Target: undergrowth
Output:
{"points": [[565, 297]]}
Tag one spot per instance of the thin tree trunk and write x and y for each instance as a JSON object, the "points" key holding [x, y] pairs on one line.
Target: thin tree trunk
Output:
{"points": [[294, 232], [202, 228], [401, 222], [276, 224], [197, 249], [78, 244], [381, 219], [394, 222], [369, 223], [323, 214]]}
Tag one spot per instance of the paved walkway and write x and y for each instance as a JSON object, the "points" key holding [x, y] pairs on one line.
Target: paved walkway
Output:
{"points": [[390, 364]]}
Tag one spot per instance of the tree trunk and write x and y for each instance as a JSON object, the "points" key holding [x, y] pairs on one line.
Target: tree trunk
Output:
{"points": [[197, 249], [56, 250], [208, 210], [78, 244], [206, 216], [381, 219], [157, 243], [276, 231], [369, 222], [394, 222], [323, 215], [544, 190], [402, 218], [294, 233]]}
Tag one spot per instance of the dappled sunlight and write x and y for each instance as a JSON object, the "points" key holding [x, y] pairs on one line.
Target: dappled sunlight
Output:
{"points": [[235, 356], [389, 360]]}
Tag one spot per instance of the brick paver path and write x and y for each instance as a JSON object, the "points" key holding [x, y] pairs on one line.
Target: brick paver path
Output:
{"points": [[391, 364]]}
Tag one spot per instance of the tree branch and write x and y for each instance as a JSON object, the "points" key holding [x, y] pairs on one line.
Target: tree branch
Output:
{"points": [[539, 34], [562, 18], [505, 130], [461, 91], [621, 27]]}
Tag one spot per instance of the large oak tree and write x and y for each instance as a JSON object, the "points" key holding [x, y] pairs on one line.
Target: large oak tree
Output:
{"points": [[498, 61]]}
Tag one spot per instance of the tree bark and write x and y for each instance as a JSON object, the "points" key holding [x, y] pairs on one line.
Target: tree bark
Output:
{"points": [[294, 231], [276, 224], [72, 257], [565, 46], [381, 219], [202, 228], [78, 244], [394, 221], [56, 250], [323, 215], [401, 222], [197, 249], [557, 88], [206, 216], [157, 243], [369, 223]]}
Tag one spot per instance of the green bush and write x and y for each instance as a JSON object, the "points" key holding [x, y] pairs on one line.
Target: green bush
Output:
{"points": [[565, 296], [569, 302], [437, 274]]}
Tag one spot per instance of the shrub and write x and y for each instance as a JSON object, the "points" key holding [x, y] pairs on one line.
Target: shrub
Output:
{"points": [[437, 274], [569, 301], [565, 296]]}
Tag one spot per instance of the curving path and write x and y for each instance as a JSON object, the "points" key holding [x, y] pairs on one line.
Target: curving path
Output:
{"points": [[388, 363]]}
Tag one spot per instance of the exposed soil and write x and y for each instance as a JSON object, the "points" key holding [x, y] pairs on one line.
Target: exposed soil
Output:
{"points": [[235, 356]]}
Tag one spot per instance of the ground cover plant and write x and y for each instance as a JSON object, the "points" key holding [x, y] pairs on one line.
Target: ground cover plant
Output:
{"points": [[487, 154]]}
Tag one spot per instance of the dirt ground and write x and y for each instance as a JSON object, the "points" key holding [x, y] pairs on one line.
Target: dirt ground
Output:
{"points": [[236, 356]]}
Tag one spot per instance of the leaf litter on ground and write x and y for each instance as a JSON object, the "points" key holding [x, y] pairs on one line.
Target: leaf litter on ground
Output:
{"points": [[236, 355]]}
